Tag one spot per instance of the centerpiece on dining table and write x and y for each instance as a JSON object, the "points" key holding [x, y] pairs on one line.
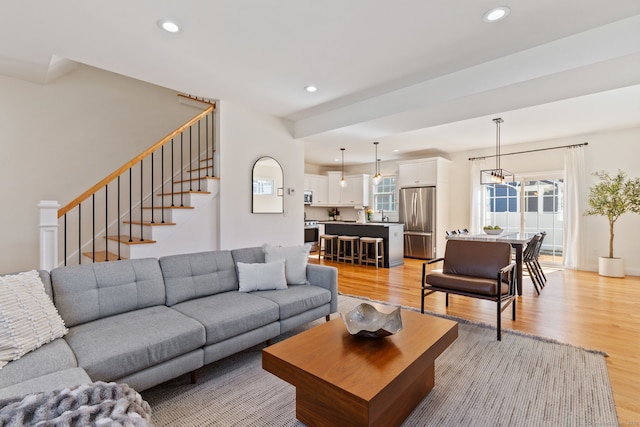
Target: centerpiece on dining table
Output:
{"points": [[492, 230]]}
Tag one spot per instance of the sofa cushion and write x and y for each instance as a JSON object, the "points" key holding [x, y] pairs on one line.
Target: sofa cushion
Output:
{"points": [[28, 318], [261, 276], [46, 383], [52, 357], [297, 299], [189, 276], [248, 255], [112, 347], [230, 314], [88, 292], [296, 258]]}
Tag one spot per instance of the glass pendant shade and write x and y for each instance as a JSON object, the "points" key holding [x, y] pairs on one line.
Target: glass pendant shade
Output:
{"points": [[497, 175], [377, 177], [343, 183]]}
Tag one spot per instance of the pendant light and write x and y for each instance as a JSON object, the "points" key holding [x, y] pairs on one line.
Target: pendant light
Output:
{"points": [[343, 183], [377, 177], [497, 175]]}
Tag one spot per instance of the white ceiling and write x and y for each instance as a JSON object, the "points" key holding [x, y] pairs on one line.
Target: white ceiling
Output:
{"points": [[418, 76]]}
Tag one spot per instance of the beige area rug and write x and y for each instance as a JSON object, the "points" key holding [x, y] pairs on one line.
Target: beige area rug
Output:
{"points": [[519, 381]]}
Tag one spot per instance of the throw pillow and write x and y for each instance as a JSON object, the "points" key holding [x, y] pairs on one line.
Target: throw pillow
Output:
{"points": [[261, 276], [296, 258], [28, 318]]}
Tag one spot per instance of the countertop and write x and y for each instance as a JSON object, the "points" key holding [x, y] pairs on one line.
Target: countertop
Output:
{"points": [[374, 223]]}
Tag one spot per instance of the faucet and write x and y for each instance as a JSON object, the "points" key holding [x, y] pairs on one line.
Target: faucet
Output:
{"points": [[382, 217]]}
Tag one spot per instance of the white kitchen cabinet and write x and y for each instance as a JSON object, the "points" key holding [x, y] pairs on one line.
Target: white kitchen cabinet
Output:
{"points": [[318, 185], [355, 193], [420, 173]]}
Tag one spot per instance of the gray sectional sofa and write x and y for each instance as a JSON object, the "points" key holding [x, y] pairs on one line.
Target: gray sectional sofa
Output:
{"points": [[145, 321]]}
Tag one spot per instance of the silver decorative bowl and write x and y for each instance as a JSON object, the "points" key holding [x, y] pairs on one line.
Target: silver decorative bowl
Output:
{"points": [[366, 321]]}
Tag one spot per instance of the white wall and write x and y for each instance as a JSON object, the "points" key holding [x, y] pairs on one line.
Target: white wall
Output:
{"points": [[245, 136], [59, 139], [609, 151]]}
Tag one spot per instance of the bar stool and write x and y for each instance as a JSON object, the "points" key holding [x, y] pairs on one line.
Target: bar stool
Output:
{"points": [[369, 246], [330, 244], [348, 248]]}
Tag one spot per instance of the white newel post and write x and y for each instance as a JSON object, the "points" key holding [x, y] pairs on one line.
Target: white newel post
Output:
{"points": [[48, 234]]}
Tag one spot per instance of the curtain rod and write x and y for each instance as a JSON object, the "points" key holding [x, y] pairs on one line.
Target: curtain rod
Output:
{"points": [[531, 151]]}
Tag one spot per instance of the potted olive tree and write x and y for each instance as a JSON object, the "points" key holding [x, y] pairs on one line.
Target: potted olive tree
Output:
{"points": [[613, 196]]}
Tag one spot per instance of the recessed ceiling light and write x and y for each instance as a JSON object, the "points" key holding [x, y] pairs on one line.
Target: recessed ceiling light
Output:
{"points": [[310, 88], [169, 26], [496, 14], [396, 150]]}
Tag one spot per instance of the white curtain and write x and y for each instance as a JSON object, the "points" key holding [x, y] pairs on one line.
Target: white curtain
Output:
{"points": [[574, 205], [478, 202]]}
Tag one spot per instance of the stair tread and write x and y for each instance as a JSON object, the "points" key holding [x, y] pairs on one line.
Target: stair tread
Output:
{"points": [[185, 192], [196, 179], [102, 256], [169, 207], [134, 240], [149, 223]]}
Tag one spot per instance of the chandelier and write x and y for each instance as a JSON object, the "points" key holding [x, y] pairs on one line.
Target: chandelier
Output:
{"points": [[497, 175]]}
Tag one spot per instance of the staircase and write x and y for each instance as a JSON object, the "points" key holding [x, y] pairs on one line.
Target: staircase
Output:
{"points": [[164, 201]]}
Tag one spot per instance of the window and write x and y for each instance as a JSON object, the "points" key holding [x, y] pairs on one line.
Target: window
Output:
{"points": [[503, 206], [532, 206], [264, 187], [384, 195]]}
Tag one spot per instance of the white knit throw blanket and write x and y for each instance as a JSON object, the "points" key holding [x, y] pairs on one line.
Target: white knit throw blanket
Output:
{"points": [[99, 404]]}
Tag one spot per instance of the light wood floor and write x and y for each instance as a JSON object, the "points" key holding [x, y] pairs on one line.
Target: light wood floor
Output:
{"points": [[575, 307]]}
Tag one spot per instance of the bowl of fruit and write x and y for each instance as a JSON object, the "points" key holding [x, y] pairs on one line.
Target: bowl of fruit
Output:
{"points": [[493, 230]]}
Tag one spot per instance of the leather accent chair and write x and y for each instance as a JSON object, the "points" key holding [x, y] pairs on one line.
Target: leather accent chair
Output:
{"points": [[474, 269]]}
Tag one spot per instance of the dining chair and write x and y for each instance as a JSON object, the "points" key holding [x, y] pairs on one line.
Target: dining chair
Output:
{"points": [[529, 260], [543, 234]]}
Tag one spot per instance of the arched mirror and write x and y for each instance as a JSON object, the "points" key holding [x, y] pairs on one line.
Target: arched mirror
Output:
{"points": [[268, 186]]}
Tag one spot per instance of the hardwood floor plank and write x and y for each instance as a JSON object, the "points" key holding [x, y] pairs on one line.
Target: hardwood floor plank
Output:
{"points": [[575, 307]]}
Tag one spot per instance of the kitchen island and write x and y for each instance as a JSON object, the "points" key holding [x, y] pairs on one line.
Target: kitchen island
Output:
{"points": [[391, 233]]}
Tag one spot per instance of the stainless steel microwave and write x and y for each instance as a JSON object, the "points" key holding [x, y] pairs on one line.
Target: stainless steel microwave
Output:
{"points": [[308, 197]]}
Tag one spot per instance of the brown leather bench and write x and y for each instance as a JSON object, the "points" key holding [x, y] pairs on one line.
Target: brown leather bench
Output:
{"points": [[474, 269]]}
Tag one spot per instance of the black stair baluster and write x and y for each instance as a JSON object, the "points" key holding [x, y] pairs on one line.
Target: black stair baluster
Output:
{"points": [[130, 207], [93, 226], [118, 218], [199, 165], [190, 158], [206, 141], [80, 233], [106, 221], [181, 169], [141, 197], [172, 174], [152, 204], [161, 182], [65, 240]]}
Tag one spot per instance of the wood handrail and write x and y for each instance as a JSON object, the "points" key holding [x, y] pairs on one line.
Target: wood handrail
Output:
{"points": [[113, 175]]}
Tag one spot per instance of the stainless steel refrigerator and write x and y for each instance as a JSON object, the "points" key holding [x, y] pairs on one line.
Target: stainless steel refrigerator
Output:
{"points": [[418, 213]]}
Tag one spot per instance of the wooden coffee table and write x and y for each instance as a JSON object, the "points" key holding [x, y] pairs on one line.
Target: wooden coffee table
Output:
{"points": [[344, 380]]}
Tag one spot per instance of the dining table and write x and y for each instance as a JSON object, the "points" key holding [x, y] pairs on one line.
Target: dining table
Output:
{"points": [[517, 240]]}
